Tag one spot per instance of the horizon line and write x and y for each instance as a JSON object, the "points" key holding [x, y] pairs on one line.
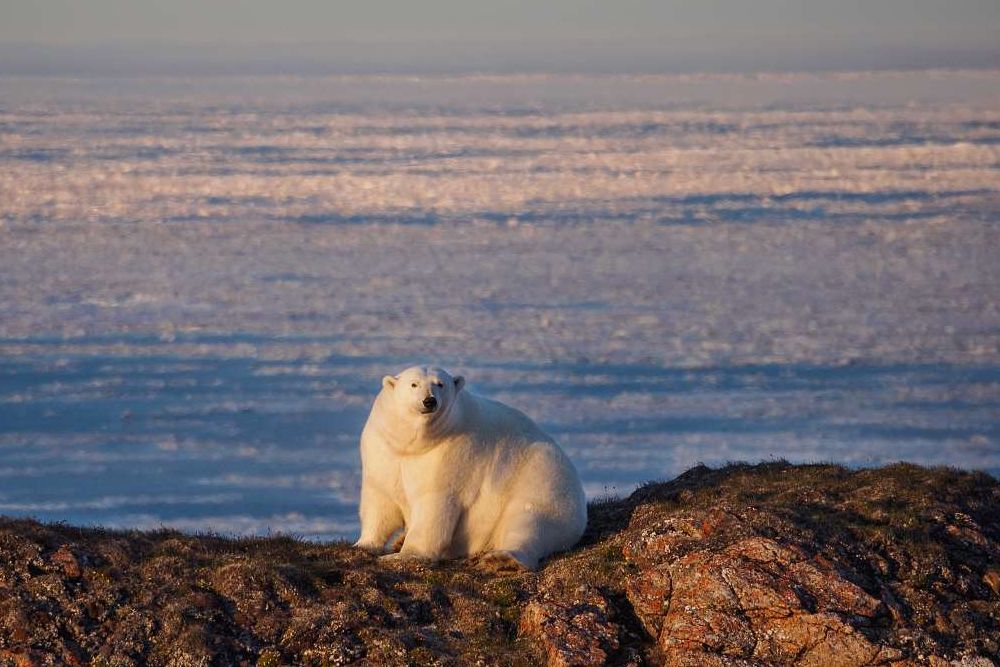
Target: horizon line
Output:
{"points": [[174, 59]]}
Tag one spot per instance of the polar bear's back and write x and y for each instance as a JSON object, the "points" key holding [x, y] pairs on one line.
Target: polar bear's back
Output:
{"points": [[492, 419]]}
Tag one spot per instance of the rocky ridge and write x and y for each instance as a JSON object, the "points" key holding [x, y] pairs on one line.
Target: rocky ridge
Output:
{"points": [[771, 564]]}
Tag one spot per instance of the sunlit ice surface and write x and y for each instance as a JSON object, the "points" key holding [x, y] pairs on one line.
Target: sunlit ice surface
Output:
{"points": [[202, 281]]}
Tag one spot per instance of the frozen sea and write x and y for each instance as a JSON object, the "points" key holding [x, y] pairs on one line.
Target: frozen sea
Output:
{"points": [[202, 281]]}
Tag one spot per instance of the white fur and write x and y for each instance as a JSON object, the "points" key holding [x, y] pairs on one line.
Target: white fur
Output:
{"points": [[473, 476]]}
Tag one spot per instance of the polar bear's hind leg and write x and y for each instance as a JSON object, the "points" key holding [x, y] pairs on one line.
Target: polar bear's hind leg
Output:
{"points": [[546, 510], [501, 561], [526, 536]]}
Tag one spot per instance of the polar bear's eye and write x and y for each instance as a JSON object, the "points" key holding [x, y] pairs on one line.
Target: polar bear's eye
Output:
{"points": [[414, 385], [439, 383]]}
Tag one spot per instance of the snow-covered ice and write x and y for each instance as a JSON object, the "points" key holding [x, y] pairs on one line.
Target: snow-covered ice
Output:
{"points": [[202, 281]]}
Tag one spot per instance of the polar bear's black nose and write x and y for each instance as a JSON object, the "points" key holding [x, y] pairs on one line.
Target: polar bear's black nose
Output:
{"points": [[430, 402]]}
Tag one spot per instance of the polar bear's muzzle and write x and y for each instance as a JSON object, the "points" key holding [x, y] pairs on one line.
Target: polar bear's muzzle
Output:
{"points": [[430, 405]]}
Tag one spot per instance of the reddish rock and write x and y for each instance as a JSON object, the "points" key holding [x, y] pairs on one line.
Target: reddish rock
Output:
{"points": [[574, 630], [992, 579], [21, 658], [753, 599], [650, 592], [655, 537], [66, 562]]}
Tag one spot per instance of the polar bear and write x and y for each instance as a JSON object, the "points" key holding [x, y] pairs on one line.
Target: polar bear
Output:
{"points": [[459, 475]]}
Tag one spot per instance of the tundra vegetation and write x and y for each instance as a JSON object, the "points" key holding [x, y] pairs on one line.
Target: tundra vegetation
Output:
{"points": [[743, 565]]}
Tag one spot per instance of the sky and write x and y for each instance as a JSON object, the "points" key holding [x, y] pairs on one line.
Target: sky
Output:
{"points": [[332, 36]]}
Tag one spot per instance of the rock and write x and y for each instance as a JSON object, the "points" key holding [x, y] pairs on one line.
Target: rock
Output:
{"points": [[66, 562], [20, 659], [992, 579], [650, 591], [755, 599], [574, 630], [741, 584]]}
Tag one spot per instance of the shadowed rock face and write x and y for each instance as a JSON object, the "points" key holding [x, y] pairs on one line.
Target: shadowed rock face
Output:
{"points": [[747, 565]]}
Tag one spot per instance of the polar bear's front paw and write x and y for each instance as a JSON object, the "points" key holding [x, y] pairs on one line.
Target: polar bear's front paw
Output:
{"points": [[400, 556], [370, 547]]}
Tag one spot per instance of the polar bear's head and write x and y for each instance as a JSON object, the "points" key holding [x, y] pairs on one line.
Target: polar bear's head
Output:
{"points": [[422, 392]]}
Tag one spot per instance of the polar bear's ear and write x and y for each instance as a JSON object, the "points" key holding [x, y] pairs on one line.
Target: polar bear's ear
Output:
{"points": [[389, 382], [459, 383]]}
